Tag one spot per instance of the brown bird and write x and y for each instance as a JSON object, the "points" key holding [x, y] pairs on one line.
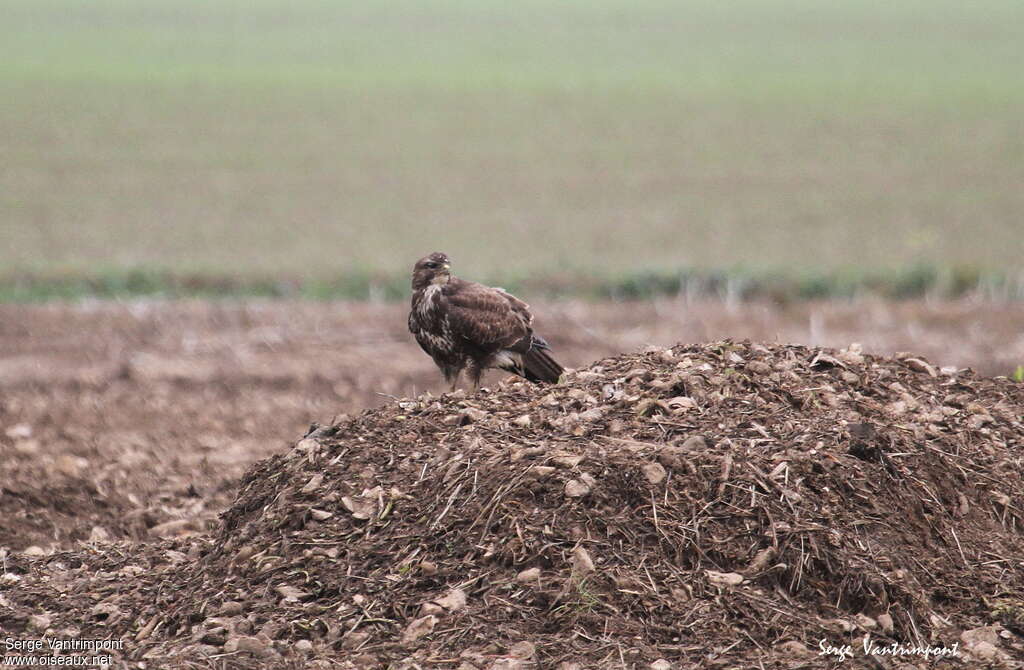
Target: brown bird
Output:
{"points": [[463, 325]]}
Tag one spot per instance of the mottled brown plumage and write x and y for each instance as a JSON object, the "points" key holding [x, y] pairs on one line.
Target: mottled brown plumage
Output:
{"points": [[467, 326]]}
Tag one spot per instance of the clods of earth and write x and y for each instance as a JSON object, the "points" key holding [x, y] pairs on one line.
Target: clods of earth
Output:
{"points": [[725, 505]]}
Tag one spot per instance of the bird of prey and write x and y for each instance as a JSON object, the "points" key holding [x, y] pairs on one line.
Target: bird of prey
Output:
{"points": [[467, 326]]}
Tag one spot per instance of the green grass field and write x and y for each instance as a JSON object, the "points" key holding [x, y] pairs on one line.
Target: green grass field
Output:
{"points": [[597, 139]]}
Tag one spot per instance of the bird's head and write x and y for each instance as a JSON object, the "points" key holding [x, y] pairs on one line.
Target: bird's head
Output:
{"points": [[432, 269]]}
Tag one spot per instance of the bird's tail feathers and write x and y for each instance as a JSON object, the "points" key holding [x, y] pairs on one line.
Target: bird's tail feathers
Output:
{"points": [[538, 366]]}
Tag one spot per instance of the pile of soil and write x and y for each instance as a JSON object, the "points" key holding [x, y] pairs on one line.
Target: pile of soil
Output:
{"points": [[718, 505]]}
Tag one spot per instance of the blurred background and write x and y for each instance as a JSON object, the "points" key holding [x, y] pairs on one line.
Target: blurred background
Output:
{"points": [[613, 148], [209, 209]]}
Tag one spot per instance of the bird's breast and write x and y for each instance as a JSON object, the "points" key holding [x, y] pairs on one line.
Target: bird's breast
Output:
{"points": [[428, 303]]}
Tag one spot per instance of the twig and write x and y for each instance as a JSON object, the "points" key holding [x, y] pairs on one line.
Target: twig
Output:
{"points": [[451, 499]]}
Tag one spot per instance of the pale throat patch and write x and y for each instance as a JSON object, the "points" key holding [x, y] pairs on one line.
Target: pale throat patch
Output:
{"points": [[440, 279], [427, 301]]}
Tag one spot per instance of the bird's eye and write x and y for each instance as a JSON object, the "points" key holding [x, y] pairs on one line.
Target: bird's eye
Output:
{"points": [[431, 265]]}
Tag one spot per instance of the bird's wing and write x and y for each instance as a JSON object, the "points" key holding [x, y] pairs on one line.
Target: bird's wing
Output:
{"points": [[517, 305], [484, 315]]}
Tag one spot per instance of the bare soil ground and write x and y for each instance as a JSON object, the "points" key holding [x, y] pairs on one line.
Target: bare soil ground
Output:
{"points": [[134, 422], [117, 418]]}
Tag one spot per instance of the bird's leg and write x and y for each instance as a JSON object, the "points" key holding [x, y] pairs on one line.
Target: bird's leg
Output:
{"points": [[475, 372], [451, 375]]}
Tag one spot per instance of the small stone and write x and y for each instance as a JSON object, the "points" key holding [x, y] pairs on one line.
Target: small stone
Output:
{"points": [[39, 622], [453, 601], [307, 447], [976, 421], [724, 578], [19, 431], [231, 608], [314, 483], [367, 660], [320, 515], [681, 404], [695, 443], [661, 664], [567, 461], [244, 553], [886, 623], [246, 643], [543, 471], [654, 473], [214, 638], [34, 551], [225, 622], [588, 375], [27, 447], [639, 373], [897, 408], [839, 625], [471, 415], [529, 576], [866, 622], [759, 368], [582, 564], [920, 365], [792, 496], [1001, 498], [985, 651], [304, 647], [851, 355], [418, 628], [651, 407], [427, 609], [523, 421], [972, 637], [671, 457], [99, 534], [761, 560], [290, 593], [175, 528], [574, 488], [354, 639], [363, 506], [523, 650]]}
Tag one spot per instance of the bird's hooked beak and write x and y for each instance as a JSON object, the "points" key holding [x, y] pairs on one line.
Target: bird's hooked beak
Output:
{"points": [[443, 274]]}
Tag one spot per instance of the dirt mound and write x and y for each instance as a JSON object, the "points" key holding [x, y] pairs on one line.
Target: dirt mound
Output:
{"points": [[713, 505]]}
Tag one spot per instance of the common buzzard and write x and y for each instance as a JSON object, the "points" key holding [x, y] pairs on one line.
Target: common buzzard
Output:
{"points": [[463, 325]]}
